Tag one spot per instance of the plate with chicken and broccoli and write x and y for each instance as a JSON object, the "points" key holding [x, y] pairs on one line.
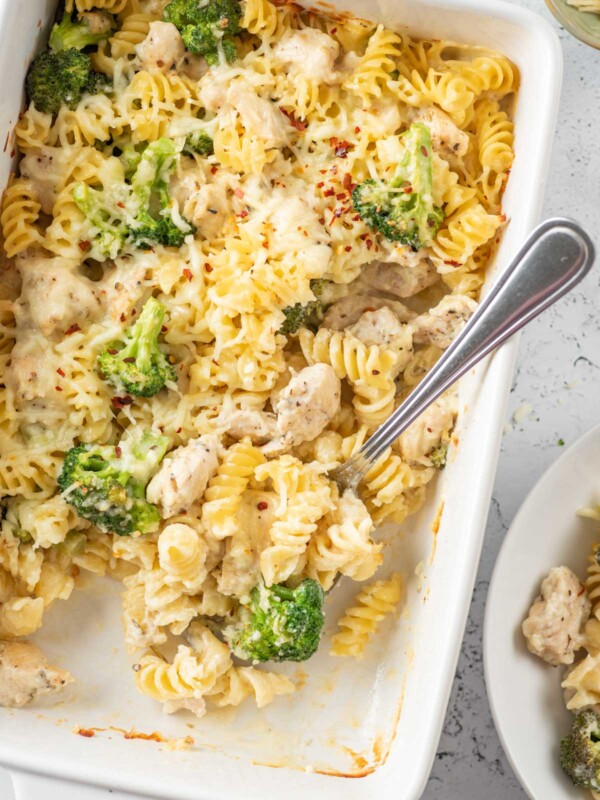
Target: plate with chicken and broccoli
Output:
{"points": [[542, 631]]}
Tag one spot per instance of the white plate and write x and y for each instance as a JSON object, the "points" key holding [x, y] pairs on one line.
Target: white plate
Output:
{"points": [[524, 692]]}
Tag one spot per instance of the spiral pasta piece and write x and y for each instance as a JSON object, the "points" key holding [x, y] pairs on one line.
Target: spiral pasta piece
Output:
{"points": [[238, 683], [20, 213], [33, 129], [259, 17], [182, 553], [372, 74], [152, 100], [223, 496], [112, 6], [361, 621], [462, 235], [495, 137]]}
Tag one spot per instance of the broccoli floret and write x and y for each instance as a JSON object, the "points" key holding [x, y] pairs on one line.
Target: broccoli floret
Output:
{"points": [[98, 83], [403, 210], [106, 485], [439, 456], [107, 233], [298, 316], [149, 188], [206, 28], [200, 143], [82, 32], [56, 79], [580, 751], [279, 624], [136, 365]]}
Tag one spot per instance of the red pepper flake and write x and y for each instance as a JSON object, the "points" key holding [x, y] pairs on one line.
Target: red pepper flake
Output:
{"points": [[347, 183], [322, 220], [208, 267], [341, 151], [298, 124], [369, 244], [87, 732], [502, 217], [348, 248], [452, 263], [243, 214], [408, 190], [188, 274], [163, 329], [85, 246], [121, 402], [118, 452], [262, 506], [123, 317], [178, 430], [129, 360], [333, 31], [58, 389], [72, 329], [340, 196], [320, 185], [376, 372], [120, 204], [13, 153], [357, 129], [581, 591], [333, 141], [424, 151], [213, 170], [61, 372], [238, 193], [329, 192]]}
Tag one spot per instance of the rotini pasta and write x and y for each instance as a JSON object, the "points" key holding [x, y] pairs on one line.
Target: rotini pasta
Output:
{"points": [[211, 251]]}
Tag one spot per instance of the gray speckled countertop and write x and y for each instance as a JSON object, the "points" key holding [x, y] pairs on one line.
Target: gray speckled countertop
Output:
{"points": [[558, 376], [558, 379]]}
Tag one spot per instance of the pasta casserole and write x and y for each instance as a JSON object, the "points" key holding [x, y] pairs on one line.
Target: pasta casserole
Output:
{"points": [[239, 235]]}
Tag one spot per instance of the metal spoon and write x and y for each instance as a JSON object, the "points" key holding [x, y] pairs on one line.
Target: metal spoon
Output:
{"points": [[557, 255]]}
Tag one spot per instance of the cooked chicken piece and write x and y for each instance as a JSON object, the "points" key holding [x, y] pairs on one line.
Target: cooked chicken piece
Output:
{"points": [[46, 167], [182, 478], [98, 22], [260, 118], [384, 116], [162, 49], [554, 626], [446, 138], [260, 426], [212, 89], [121, 288], [204, 204], [54, 297], [427, 432], [399, 280], [349, 309], [308, 403], [25, 674], [31, 374], [310, 52], [240, 569], [193, 67], [442, 324], [381, 327]]}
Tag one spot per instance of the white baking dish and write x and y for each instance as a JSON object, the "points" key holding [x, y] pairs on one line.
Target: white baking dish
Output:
{"points": [[378, 719]]}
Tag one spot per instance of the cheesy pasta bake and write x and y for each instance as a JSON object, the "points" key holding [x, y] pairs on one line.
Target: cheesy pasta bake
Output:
{"points": [[239, 234]]}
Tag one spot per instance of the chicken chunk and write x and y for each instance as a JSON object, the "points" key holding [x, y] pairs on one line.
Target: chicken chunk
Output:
{"points": [[446, 138], [310, 52], [162, 49], [308, 403], [204, 204], [427, 432], [31, 374], [401, 281], [348, 310], [442, 324], [25, 674], [260, 426], [260, 118], [121, 288], [182, 478], [54, 297], [46, 167], [554, 626], [381, 328], [212, 89]]}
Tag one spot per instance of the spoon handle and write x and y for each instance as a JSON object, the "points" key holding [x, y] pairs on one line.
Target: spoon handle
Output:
{"points": [[556, 256]]}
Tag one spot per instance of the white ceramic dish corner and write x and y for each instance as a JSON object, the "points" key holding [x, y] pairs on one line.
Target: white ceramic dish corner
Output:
{"points": [[524, 693], [377, 720]]}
